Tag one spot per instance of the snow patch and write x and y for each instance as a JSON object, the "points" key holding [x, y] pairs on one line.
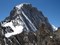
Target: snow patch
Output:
{"points": [[19, 6], [54, 28], [17, 29], [51, 36]]}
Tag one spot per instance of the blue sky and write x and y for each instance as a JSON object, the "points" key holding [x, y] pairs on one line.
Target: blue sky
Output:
{"points": [[50, 8]]}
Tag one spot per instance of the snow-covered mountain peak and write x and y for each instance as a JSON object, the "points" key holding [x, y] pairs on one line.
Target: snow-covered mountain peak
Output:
{"points": [[28, 18], [21, 5], [25, 26]]}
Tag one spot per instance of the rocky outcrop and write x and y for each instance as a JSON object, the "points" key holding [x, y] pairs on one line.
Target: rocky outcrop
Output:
{"points": [[57, 33]]}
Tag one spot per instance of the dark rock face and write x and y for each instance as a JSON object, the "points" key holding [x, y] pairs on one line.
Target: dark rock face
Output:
{"points": [[37, 30], [58, 27]]}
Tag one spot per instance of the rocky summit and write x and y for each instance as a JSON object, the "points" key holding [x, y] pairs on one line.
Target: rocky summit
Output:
{"points": [[26, 25]]}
